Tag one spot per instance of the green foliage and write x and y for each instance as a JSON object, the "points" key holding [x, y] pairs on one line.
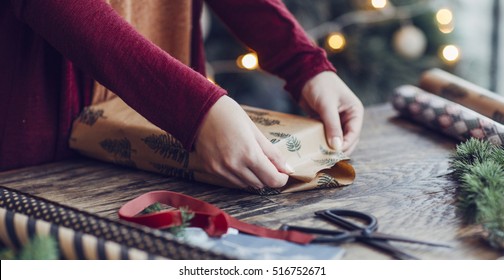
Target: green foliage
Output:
{"points": [[479, 168], [39, 248], [156, 207], [185, 213]]}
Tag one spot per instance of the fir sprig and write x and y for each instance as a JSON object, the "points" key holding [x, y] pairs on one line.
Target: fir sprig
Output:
{"points": [[41, 247], [185, 214], [478, 167]]}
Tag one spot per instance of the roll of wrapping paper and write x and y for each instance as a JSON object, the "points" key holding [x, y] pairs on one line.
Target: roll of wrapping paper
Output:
{"points": [[445, 116], [460, 91], [153, 242], [18, 229]]}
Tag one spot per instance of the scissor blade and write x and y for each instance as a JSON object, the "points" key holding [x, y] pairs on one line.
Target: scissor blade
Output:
{"points": [[388, 248], [312, 230], [390, 237]]}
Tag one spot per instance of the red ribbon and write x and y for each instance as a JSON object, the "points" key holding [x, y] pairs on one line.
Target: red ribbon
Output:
{"points": [[211, 219]]}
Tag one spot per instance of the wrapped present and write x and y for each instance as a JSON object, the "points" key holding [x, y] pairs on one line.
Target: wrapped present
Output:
{"points": [[112, 131], [83, 235], [445, 116], [460, 91], [18, 229]]}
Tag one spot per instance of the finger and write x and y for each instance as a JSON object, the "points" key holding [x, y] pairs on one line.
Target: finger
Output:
{"points": [[264, 169], [352, 125], [247, 176], [233, 179], [272, 153], [332, 126]]}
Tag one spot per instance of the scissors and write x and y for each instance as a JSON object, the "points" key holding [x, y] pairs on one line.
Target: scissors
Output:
{"points": [[365, 232]]}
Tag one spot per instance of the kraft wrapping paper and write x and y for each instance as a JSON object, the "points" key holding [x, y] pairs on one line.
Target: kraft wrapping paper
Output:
{"points": [[113, 132], [460, 91], [445, 116]]}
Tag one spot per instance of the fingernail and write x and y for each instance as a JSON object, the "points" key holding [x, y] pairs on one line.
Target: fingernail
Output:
{"points": [[337, 144], [289, 168]]}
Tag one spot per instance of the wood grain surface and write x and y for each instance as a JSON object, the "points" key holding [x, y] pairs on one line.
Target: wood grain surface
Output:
{"points": [[402, 179]]}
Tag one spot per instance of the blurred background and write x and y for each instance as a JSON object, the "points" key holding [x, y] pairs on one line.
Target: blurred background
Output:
{"points": [[376, 45]]}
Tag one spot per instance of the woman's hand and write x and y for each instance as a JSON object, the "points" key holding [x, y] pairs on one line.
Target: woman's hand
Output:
{"points": [[231, 146], [327, 97]]}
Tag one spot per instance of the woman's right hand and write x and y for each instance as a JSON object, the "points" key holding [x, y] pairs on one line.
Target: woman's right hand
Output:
{"points": [[231, 146]]}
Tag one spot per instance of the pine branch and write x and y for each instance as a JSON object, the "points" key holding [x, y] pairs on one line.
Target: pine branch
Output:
{"points": [[156, 207], [41, 247], [478, 167], [185, 214]]}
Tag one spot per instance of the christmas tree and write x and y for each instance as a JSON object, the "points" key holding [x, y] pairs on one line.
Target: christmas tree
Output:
{"points": [[376, 45]]}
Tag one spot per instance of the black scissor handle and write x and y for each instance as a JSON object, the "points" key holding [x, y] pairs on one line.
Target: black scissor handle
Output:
{"points": [[339, 217]]}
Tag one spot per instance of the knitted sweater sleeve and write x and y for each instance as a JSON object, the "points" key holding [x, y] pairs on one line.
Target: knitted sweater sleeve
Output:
{"points": [[93, 36], [282, 46]]}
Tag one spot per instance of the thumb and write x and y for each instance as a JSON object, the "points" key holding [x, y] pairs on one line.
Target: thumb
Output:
{"points": [[273, 153], [332, 126]]}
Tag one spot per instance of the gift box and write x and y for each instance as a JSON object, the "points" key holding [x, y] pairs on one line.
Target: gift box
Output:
{"points": [[83, 235], [114, 132], [460, 91]]}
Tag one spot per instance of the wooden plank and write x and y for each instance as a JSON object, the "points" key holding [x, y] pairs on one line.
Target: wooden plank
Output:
{"points": [[402, 179]]}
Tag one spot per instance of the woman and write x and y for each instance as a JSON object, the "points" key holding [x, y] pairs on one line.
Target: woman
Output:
{"points": [[53, 51]]}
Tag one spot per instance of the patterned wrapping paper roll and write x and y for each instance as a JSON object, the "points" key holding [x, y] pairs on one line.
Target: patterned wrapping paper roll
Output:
{"points": [[152, 242], [445, 116], [18, 229], [476, 98]]}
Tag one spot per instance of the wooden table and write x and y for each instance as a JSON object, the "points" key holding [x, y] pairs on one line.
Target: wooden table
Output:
{"points": [[401, 178]]}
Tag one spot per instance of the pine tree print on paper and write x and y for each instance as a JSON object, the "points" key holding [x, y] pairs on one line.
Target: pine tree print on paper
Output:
{"points": [[327, 152], [90, 116], [292, 142], [328, 162], [173, 172], [168, 147], [260, 118], [263, 191], [327, 181], [120, 149], [293, 145], [274, 140]]}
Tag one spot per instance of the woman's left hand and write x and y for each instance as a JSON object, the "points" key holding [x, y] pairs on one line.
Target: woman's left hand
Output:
{"points": [[327, 97]]}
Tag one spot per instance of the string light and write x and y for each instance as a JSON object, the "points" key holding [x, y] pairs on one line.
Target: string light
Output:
{"points": [[444, 18], [446, 29], [336, 41], [248, 61], [450, 53], [378, 4]]}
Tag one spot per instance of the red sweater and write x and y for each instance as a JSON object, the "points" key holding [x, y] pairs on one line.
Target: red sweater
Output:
{"points": [[51, 50]]}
